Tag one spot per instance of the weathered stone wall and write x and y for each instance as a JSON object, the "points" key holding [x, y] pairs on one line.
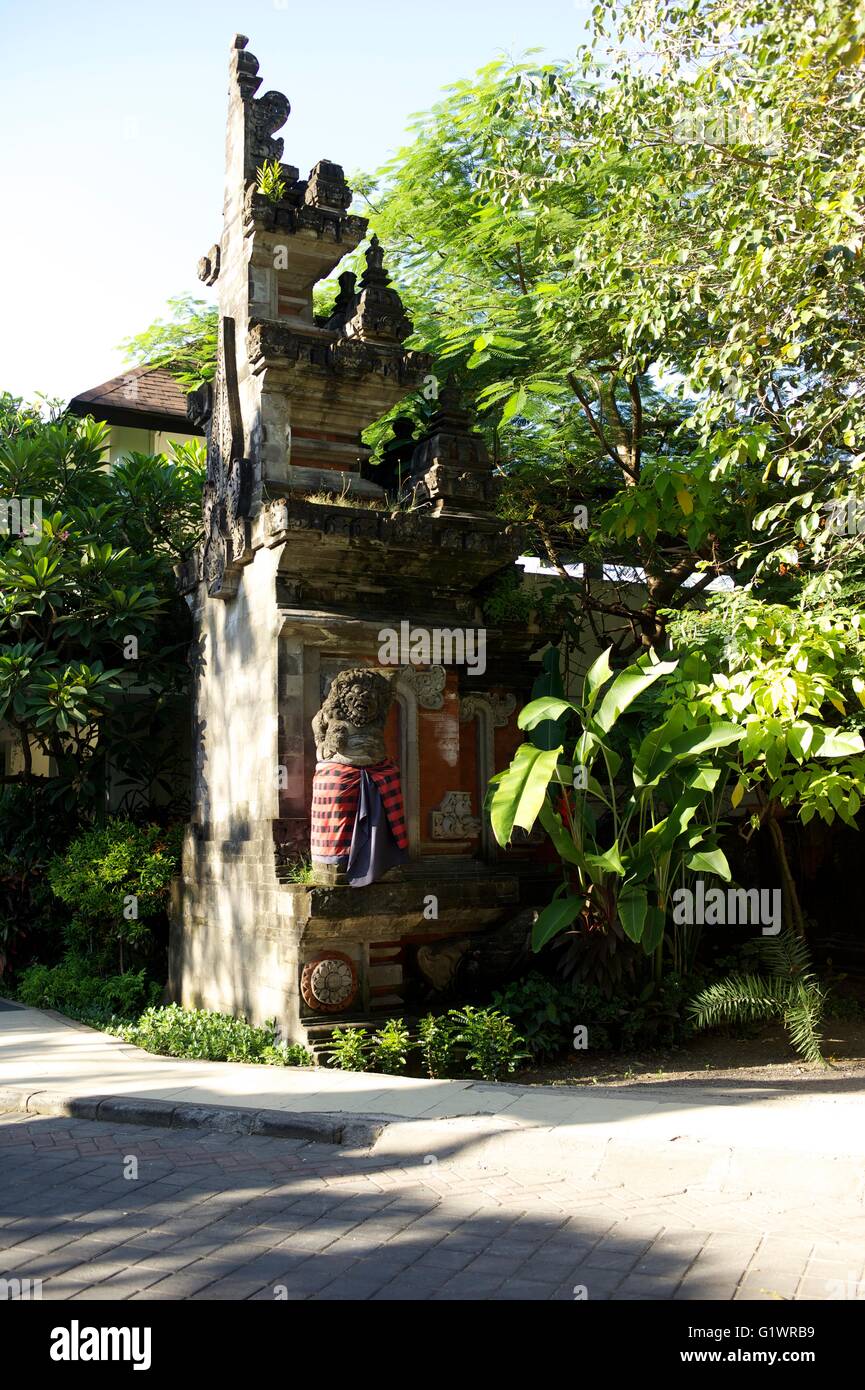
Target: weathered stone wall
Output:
{"points": [[230, 950]]}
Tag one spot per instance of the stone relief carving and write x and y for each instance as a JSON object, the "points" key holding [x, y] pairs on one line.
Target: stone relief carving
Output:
{"points": [[327, 187], [428, 686], [453, 819], [227, 489], [500, 708], [328, 983], [438, 963]]}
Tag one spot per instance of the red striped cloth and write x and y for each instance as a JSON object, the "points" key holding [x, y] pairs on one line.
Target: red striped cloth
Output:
{"points": [[335, 795]]}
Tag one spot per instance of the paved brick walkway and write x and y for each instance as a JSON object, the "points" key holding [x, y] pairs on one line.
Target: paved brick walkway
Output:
{"points": [[213, 1217]]}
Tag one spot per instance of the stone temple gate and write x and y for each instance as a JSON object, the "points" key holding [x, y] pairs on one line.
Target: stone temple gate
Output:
{"points": [[306, 564]]}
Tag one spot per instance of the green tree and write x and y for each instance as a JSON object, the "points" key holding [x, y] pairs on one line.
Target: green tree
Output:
{"points": [[650, 269], [93, 636], [185, 343]]}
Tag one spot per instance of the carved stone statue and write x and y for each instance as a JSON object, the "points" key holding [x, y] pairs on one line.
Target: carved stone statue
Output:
{"points": [[349, 727], [358, 819]]}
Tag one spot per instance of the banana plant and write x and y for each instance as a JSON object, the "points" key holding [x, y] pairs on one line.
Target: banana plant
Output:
{"points": [[623, 835]]}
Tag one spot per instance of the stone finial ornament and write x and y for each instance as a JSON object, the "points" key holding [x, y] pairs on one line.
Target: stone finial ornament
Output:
{"points": [[327, 188], [345, 300], [263, 115], [451, 471], [378, 311], [349, 727]]}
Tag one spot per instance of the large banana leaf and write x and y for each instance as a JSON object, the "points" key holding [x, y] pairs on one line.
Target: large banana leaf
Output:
{"points": [[562, 840], [549, 684], [627, 687], [633, 904], [658, 753], [520, 790], [596, 678], [555, 918]]}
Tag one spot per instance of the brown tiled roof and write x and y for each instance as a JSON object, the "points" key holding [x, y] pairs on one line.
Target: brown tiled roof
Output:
{"points": [[146, 396]]}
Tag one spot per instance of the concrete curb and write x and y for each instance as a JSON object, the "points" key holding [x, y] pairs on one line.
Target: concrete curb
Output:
{"points": [[317, 1127]]}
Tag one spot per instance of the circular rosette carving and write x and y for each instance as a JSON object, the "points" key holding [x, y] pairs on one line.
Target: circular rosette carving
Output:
{"points": [[329, 983]]}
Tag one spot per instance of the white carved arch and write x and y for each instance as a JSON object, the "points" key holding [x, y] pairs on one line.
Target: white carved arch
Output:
{"points": [[491, 712]]}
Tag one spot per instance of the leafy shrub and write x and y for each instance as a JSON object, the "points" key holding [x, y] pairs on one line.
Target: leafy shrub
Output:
{"points": [[543, 1012], [350, 1049], [207, 1035], [389, 1047], [102, 569], [115, 878], [493, 1046], [72, 988], [288, 1055], [436, 1043], [659, 1016]]}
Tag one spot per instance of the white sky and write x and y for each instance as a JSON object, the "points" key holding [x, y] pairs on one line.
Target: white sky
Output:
{"points": [[112, 119]]}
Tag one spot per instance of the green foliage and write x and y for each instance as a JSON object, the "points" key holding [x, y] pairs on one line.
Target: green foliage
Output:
{"points": [[115, 879], [436, 1044], [657, 1016], [788, 991], [485, 218], [389, 1047], [271, 184], [101, 572], [350, 1049], [793, 679], [508, 600], [72, 988], [549, 733], [493, 1046], [653, 285], [299, 871], [205, 1035], [543, 1012], [288, 1055], [621, 843], [104, 865], [184, 344]]}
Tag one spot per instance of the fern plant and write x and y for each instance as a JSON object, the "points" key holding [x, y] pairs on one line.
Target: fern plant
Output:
{"points": [[788, 989], [271, 184]]}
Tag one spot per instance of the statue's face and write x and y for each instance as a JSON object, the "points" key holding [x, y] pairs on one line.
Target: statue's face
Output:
{"points": [[365, 706]]}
